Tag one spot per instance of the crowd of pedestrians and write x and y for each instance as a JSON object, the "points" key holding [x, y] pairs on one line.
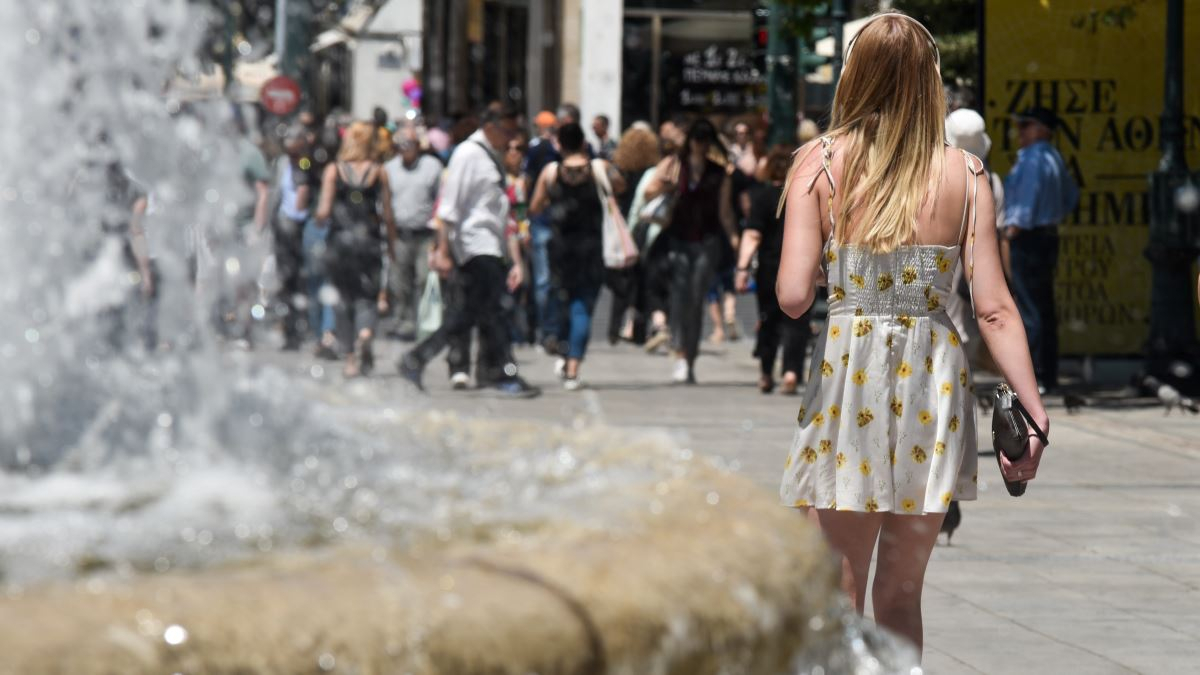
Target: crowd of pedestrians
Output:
{"points": [[471, 238]]}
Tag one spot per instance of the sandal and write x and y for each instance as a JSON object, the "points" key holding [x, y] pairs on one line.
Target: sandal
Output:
{"points": [[791, 384]]}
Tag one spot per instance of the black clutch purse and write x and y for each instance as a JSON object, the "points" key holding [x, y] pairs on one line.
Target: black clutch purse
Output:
{"points": [[1011, 423]]}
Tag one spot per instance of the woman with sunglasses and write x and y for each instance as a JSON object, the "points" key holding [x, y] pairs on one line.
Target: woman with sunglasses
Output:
{"points": [[882, 210]]}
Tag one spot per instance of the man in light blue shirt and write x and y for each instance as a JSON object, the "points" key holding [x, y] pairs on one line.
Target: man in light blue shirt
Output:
{"points": [[1039, 194]]}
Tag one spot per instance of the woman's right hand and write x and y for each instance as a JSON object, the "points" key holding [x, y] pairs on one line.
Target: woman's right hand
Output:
{"points": [[1026, 467]]}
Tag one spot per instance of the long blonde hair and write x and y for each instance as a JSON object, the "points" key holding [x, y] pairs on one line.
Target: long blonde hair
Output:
{"points": [[889, 109], [358, 143]]}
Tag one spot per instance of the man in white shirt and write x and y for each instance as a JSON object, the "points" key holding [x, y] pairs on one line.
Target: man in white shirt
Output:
{"points": [[414, 178], [471, 244]]}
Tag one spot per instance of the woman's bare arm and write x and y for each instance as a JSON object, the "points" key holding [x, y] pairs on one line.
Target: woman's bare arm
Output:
{"points": [[541, 192], [389, 218], [800, 262], [1000, 324], [328, 185], [666, 177]]}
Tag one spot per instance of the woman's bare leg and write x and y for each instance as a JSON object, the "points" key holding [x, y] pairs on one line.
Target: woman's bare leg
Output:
{"points": [[905, 544], [853, 536]]}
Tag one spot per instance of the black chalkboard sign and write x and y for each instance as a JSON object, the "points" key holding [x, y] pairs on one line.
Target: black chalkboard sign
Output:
{"points": [[717, 78]]}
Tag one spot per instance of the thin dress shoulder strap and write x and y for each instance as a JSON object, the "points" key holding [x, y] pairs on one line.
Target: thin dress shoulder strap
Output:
{"points": [[827, 169], [971, 194]]}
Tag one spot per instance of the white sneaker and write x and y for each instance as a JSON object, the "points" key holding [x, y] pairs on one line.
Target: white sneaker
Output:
{"points": [[560, 368], [460, 381], [572, 384], [680, 374]]}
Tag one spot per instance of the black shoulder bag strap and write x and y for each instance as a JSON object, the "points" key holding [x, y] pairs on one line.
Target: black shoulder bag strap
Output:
{"points": [[495, 162]]}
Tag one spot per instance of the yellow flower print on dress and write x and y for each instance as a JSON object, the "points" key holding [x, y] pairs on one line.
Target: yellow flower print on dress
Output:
{"points": [[924, 417], [837, 293], [826, 368], [800, 503], [808, 455], [826, 447], [865, 416], [862, 327], [835, 332], [884, 282], [858, 311], [906, 321], [904, 370], [946, 497], [891, 341], [908, 506], [954, 341], [871, 505], [908, 274], [947, 388], [897, 406], [818, 419], [846, 359], [892, 456], [858, 280], [840, 460], [933, 336], [864, 467], [918, 454], [831, 256], [800, 415], [954, 423], [939, 448], [860, 377], [943, 263], [933, 303], [929, 364], [835, 411], [962, 377]]}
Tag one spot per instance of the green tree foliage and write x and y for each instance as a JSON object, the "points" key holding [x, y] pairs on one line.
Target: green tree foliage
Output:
{"points": [[953, 24]]}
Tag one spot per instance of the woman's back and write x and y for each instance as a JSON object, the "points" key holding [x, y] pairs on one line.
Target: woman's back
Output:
{"points": [[940, 219], [356, 202]]}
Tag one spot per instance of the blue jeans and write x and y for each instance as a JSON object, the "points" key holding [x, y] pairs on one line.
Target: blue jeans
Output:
{"points": [[320, 317], [578, 328], [547, 304]]}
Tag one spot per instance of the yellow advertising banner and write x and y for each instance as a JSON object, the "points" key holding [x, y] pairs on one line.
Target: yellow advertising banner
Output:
{"points": [[1099, 65]]}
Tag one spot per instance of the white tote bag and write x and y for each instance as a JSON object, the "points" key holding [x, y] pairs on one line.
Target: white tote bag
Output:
{"points": [[429, 311], [620, 251]]}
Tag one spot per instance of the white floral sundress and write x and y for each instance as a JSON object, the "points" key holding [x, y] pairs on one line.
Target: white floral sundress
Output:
{"points": [[888, 417]]}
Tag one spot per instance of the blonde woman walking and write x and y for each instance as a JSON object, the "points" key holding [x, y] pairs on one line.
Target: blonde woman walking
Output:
{"points": [[882, 210]]}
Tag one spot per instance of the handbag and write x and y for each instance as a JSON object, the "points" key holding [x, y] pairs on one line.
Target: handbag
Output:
{"points": [[1010, 432], [619, 249], [429, 311]]}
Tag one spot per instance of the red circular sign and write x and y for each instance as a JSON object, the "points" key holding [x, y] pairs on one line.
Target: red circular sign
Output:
{"points": [[280, 95]]}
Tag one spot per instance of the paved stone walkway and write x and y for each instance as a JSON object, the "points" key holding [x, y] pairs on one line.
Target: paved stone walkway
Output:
{"points": [[1095, 570]]}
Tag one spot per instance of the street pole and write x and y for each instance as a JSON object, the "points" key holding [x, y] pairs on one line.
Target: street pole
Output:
{"points": [[781, 100], [227, 49], [1172, 349], [838, 14], [281, 34]]}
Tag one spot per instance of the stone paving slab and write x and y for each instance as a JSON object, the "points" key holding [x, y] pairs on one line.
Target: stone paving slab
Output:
{"points": [[1095, 570]]}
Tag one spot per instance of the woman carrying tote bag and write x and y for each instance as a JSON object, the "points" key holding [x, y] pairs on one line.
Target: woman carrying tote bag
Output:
{"points": [[572, 195]]}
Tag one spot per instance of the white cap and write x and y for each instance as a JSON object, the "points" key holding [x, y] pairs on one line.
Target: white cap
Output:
{"points": [[965, 129]]}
